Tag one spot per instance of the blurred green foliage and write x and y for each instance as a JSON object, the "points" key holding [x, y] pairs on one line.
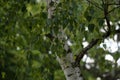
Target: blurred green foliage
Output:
{"points": [[26, 53]]}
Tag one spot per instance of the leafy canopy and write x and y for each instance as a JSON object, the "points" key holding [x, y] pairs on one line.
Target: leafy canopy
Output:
{"points": [[27, 46]]}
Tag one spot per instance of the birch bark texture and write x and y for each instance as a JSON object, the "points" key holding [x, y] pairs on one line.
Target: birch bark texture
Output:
{"points": [[70, 72], [50, 9], [66, 62]]}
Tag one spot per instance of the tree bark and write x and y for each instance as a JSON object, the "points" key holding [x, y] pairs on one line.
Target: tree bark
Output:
{"points": [[71, 72]]}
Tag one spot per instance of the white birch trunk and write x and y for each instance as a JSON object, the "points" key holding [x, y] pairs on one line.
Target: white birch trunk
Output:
{"points": [[66, 62], [70, 72], [50, 9]]}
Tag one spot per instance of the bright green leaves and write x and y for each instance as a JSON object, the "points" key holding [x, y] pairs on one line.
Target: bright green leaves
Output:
{"points": [[3, 75], [22, 27], [36, 52]]}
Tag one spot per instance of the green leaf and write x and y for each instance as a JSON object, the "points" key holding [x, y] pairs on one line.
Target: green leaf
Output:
{"points": [[35, 51], [24, 8], [91, 27], [104, 45], [86, 35], [88, 18], [100, 21], [44, 15], [91, 10]]}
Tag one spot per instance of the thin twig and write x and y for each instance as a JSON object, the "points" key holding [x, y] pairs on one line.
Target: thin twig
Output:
{"points": [[111, 4], [94, 4], [113, 9], [106, 16]]}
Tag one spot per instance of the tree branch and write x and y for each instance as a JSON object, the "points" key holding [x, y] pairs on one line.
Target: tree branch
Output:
{"points": [[113, 9], [95, 41], [114, 4], [91, 44]]}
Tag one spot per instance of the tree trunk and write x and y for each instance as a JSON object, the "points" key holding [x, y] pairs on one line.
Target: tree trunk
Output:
{"points": [[70, 71]]}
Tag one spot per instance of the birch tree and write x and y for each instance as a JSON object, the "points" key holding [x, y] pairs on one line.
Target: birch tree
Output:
{"points": [[67, 61], [69, 65], [59, 39]]}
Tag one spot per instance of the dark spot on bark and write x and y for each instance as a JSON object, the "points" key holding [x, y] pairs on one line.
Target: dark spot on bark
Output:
{"points": [[66, 67], [70, 75]]}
